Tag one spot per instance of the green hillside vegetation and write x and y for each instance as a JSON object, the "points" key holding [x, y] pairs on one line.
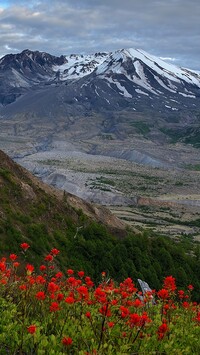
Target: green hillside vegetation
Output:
{"points": [[29, 213], [187, 135]]}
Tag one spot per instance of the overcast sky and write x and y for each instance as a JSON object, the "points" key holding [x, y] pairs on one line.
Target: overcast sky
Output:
{"points": [[166, 28]]}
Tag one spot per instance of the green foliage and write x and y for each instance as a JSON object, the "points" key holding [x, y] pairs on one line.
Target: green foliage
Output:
{"points": [[51, 313], [187, 135], [141, 127], [195, 167], [101, 183], [6, 174]]}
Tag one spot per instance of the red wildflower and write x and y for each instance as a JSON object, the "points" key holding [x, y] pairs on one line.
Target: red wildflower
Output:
{"points": [[29, 268], [13, 257], [105, 311], [134, 319], [111, 324], [3, 281], [55, 251], [42, 268], [114, 302], [24, 246], [128, 286], [31, 329], [170, 283], [173, 306], [52, 287], [54, 307], [83, 292], [67, 341], [129, 303], [31, 280], [70, 300], [72, 281], [137, 303], [59, 275], [81, 274], [144, 318], [190, 287], [16, 264], [100, 295], [197, 318], [40, 280], [70, 272], [7, 272], [162, 330], [48, 257], [60, 297], [124, 294], [88, 314], [124, 311], [2, 266], [90, 283], [186, 305], [23, 287], [163, 294], [40, 295], [166, 307], [181, 294]]}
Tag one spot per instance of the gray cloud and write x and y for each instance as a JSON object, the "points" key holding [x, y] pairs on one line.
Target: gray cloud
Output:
{"points": [[163, 28]]}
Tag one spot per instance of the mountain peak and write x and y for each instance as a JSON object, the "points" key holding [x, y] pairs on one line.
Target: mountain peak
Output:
{"points": [[126, 73]]}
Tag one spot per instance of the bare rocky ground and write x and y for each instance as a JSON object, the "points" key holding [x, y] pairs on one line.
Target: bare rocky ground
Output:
{"points": [[149, 185]]}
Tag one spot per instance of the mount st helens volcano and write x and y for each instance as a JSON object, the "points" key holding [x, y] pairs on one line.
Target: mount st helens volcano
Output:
{"points": [[59, 114]]}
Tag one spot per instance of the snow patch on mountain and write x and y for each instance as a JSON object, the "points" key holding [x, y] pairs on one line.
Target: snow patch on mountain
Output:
{"points": [[170, 71], [141, 92], [77, 66], [186, 95], [163, 85]]}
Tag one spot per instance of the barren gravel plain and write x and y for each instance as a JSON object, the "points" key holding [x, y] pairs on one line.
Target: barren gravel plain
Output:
{"points": [[148, 185]]}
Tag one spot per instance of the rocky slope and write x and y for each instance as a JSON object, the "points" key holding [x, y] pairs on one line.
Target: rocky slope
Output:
{"points": [[123, 93], [22, 192], [96, 110]]}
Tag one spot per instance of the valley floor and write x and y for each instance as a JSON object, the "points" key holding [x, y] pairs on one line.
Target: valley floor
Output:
{"points": [[153, 189]]}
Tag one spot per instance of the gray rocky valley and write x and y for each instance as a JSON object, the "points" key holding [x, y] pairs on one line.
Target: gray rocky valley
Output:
{"points": [[120, 129]]}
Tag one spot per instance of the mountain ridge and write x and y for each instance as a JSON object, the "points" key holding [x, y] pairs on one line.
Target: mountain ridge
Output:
{"points": [[104, 82], [126, 105], [137, 67]]}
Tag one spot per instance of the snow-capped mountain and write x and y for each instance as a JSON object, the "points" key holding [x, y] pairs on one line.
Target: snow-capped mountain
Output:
{"points": [[142, 69], [124, 104], [125, 75], [128, 79]]}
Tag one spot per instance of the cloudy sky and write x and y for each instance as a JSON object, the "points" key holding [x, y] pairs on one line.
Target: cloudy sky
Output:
{"points": [[166, 28]]}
